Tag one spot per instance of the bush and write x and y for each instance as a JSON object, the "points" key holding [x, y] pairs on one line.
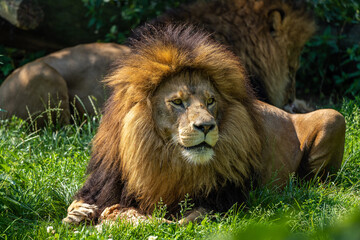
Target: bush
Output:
{"points": [[11, 58], [331, 59], [131, 13]]}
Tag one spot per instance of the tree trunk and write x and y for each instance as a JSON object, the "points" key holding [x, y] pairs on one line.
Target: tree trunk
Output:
{"points": [[65, 24], [24, 14]]}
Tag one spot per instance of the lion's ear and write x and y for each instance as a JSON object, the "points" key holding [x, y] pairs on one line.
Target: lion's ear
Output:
{"points": [[275, 18]]}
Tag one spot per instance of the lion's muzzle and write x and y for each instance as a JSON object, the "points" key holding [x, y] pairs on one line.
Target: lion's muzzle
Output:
{"points": [[198, 138], [199, 132]]}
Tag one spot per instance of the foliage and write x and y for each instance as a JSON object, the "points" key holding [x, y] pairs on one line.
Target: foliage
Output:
{"points": [[41, 170], [131, 13], [331, 60], [6, 65], [11, 58]]}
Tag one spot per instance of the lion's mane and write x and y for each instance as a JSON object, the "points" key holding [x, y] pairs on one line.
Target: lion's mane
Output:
{"points": [[132, 165]]}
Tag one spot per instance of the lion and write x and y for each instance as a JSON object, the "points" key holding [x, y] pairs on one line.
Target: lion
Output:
{"points": [[56, 80], [181, 120], [267, 35]]}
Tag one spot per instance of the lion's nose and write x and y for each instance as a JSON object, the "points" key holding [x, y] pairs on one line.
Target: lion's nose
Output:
{"points": [[204, 127]]}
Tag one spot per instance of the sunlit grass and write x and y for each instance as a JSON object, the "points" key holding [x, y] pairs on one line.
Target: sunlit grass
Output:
{"points": [[41, 170]]}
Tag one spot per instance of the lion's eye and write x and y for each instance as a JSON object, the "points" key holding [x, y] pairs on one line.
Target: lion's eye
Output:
{"points": [[177, 102], [210, 101]]}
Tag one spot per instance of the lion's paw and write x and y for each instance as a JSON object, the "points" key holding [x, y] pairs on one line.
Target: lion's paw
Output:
{"points": [[115, 212], [79, 211], [111, 213], [130, 215]]}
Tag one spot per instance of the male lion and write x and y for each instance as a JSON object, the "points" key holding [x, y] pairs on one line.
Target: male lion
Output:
{"points": [[182, 119], [267, 35], [55, 80]]}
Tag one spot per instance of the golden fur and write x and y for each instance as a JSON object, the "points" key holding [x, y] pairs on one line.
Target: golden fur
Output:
{"points": [[267, 35], [136, 162]]}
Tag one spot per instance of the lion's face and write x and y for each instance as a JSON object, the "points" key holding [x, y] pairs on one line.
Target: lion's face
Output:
{"points": [[186, 112]]}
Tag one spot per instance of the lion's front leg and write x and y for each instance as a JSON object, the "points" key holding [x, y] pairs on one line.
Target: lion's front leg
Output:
{"points": [[79, 211]]}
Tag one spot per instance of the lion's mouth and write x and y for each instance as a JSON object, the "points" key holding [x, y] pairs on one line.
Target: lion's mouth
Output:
{"points": [[200, 146], [198, 154]]}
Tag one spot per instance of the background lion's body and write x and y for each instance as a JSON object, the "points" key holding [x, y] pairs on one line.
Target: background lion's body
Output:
{"points": [[133, 165], [268, 36], [60, 76]]}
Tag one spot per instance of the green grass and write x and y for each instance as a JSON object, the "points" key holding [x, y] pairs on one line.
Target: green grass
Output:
{"points": [[41, 170]]}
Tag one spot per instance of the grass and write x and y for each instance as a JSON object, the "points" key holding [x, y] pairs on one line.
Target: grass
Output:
{"points": [[41, 170]]}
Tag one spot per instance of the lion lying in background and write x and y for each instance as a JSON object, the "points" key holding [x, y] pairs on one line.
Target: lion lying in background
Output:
{"points": [[267, 35], [53, 81], [182, 119]]}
